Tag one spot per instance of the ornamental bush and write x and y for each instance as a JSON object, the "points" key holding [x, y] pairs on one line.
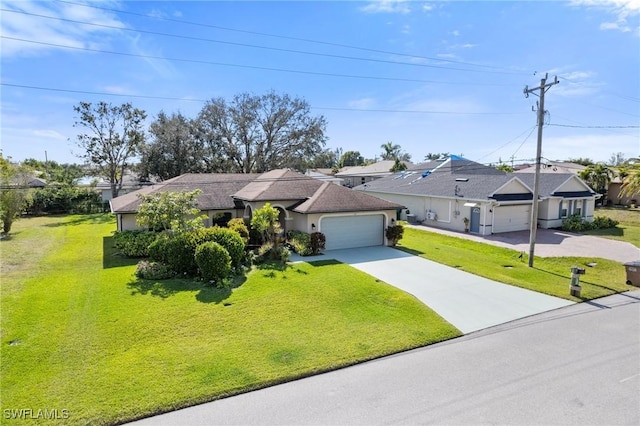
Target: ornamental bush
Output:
{"points": [[237, 224], [213, 262], [318, 241], [394, 234], [134, 243], [153, 271], [576, 223], [227, 238], [300, 242], [177, 251]]}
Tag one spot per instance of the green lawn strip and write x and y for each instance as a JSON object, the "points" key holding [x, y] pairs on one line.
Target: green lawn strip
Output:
{"points": [[549, 275], [108, 348], [628, 230]]}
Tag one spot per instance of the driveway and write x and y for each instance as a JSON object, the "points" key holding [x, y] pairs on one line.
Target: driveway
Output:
{"points": [[553, 243], [467, 301]]}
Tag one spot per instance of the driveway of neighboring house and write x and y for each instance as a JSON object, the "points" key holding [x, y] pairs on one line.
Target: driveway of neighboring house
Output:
{"points": [[467, 301], [553, 243]]}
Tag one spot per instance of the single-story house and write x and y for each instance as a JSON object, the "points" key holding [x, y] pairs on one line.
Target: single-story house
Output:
{"points": [[458, 194], [347, 218], [614, 196], [358, 175], [130, 183], [325, 177]]}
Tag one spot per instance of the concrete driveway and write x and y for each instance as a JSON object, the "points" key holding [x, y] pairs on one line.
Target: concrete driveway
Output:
{"points": [[467, 301], [553, 243]]}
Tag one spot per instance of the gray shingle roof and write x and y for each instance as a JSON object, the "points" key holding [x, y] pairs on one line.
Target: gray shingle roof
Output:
{"points": [[308, 195], [217, 190], [331, 198], [459, 177]]}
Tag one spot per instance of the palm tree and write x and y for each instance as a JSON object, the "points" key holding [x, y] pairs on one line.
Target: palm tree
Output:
{"points": [[391, 151], [631, 181], [598, 176]]}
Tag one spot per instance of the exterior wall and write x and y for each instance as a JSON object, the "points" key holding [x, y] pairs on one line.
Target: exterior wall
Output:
{"points": [[573, 185], [613, 195], [513, 187], [126, 222], [550, 210], [447, 213]]}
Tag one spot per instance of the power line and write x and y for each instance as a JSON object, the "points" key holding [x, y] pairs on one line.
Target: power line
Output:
{"points": [[594, 127], [197, 61], [230, 43], [86, 92], [306, 40]]}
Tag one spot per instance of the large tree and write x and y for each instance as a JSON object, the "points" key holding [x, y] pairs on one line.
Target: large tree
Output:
{"points": [[351, 158], [173, 149], [254, 133], [631, 181], [113, 136], [55, 173]]}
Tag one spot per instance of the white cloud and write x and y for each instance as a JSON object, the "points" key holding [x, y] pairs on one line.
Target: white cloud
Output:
{"points": [[598, 147], [364, 103], [624, 11], [387, 6], [49, 134], [455, 33], [19, 24]]}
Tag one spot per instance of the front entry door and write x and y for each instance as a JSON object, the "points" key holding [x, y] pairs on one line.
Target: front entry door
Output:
{"points": [[474, 226]]}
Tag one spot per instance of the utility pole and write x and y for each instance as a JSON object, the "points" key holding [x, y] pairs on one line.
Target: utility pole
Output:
{"points": [[544, 86]]}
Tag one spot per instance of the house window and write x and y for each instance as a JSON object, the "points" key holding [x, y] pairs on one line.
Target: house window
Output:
{"points": [[564, 210], [363, 180], [577, 209]]}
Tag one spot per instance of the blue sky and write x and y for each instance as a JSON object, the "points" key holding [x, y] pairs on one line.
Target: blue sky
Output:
{"points": [[429, 76]]}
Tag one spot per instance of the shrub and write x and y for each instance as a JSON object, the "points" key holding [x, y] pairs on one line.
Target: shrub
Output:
{"points": [[394, 234], [318, 241], [134, 243], [213, 262], [227, 238], [177, 251], [603, 222], [153, 271], [237, 224], [576, 223], [300, 242]]}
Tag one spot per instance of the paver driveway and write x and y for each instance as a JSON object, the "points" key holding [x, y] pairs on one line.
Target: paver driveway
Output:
{"points": [[467, 301]]}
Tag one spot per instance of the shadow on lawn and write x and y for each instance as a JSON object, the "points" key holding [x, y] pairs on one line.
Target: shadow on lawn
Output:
{"points": [[167, 288], [111, 257]]}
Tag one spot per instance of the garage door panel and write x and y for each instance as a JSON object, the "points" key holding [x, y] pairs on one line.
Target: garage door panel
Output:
{"points": [[353, 231], [511, 218]]}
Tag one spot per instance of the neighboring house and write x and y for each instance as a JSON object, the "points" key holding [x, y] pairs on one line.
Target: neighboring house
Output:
{"points": [[448, 193], [325, 177], [37, 182], [614, 197], [130, 183], [358, 175], [559, 167], [347, 218]]}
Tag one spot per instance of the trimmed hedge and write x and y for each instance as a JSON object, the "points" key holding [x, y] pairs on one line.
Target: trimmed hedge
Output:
{"points": [[134, 243], [576, 223]]}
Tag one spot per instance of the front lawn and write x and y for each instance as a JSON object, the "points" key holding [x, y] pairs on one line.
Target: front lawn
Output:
{"points": [[629, 228], [549, 275], [82, 336]]}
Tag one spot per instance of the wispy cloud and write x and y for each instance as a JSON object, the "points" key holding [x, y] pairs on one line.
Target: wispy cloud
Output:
{"points": [[364, 103], [387, 6], [575, 83], [624, 11], [20, 22]]}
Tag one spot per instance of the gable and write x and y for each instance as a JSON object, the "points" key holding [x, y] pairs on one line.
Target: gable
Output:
{"points": [[572, 185], [514, 186]]}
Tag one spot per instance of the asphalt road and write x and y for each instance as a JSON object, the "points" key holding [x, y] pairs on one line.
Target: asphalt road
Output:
{"points": [[577, 365]]}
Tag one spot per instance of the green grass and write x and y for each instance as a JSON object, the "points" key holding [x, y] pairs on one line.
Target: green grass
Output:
{"points": [[549, 275], [629, 228], [80, 333]]}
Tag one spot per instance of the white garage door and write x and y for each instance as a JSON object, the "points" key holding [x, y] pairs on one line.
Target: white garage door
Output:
{"points": [[511, 218], [352, 231]]}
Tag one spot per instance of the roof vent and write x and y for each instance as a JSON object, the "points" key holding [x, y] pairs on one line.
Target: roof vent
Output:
{"points": [[462, 179]]}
